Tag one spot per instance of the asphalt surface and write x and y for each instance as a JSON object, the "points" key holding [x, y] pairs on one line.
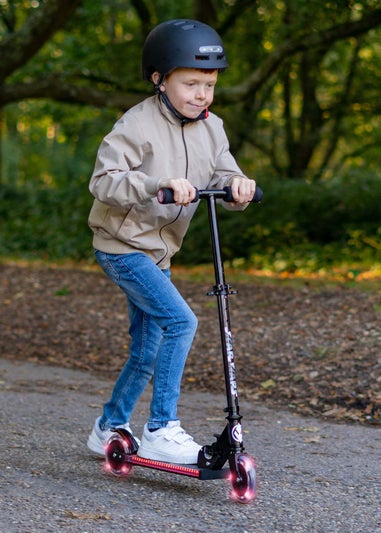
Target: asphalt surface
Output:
{"points": [[313, 475]]}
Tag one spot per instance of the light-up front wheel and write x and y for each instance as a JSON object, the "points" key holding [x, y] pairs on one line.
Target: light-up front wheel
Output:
{"points": [[243, 479]]}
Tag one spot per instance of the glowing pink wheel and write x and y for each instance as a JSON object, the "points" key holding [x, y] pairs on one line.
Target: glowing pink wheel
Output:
{"points": [[243, 479], [117, 449]]}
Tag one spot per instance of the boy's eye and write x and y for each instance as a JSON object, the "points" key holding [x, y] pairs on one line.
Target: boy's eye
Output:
{"points": [[192, 84]]}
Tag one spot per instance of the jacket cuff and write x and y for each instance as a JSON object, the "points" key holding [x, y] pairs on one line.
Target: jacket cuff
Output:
{"points": [[152, 184]]}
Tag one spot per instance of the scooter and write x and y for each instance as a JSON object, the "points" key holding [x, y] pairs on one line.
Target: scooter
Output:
{"points": [[121, 449]]}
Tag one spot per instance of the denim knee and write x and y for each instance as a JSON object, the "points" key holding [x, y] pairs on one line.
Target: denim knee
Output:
{"points": [[192, 322], [183, 324]]}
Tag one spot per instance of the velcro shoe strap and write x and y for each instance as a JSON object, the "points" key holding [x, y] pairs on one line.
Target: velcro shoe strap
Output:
{"points": [[177, 434]]}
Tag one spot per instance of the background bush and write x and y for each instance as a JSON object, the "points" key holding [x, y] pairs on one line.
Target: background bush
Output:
{"points": [[43, 223], [297, 226]]}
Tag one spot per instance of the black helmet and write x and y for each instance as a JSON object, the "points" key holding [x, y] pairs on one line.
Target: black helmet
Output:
{"points": [[182, 43]]}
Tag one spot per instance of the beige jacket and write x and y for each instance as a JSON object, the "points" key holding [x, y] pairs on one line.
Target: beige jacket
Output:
{"points": [[146, 146]]}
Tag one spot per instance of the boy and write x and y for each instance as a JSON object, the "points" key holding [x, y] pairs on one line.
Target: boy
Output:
{"points": [[168, 140]]}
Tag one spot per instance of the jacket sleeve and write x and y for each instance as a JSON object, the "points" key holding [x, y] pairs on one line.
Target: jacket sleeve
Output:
{"points": [[116, 179], [226, 169]]}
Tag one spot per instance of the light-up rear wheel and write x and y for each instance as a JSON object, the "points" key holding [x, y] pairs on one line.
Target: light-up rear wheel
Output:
{"points": [[117, 450]]}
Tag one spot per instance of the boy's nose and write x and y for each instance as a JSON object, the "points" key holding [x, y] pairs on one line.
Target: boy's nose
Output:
{"points": [[201, 92]]}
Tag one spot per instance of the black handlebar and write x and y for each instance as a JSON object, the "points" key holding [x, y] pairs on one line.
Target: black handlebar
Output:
{"points": [[165, 195]]}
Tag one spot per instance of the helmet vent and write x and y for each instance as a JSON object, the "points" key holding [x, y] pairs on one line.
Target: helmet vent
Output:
{"points": [[207, 58]]}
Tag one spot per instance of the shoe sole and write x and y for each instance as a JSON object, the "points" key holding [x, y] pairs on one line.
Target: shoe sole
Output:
{"points": [[95, 446]]}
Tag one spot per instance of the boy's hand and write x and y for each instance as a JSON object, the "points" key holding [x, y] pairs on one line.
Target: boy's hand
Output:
{"points": [[183, 191], [243, 190]]}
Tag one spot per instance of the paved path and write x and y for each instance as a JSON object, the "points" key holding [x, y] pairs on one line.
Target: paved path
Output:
{"points": [[314, 476]]}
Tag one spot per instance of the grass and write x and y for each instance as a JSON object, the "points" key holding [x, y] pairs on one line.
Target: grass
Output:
{"points": [[357, 275], [364, 279]]}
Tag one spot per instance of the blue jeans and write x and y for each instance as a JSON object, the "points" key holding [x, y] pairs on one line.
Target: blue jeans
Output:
{"points": [[162, 328]]}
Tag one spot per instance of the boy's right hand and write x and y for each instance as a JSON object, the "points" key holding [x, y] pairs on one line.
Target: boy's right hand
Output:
{"points": [[183, 191]]}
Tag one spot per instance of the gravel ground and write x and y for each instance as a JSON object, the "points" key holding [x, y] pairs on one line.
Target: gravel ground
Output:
{"points": [[315, 349], [313, 475]]}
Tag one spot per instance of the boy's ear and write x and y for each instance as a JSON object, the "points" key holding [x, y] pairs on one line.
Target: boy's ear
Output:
{"points": [[157, 80], [156, 76]]}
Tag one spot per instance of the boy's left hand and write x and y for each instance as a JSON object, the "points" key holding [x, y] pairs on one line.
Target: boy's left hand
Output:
{"points": [[243, 190]]}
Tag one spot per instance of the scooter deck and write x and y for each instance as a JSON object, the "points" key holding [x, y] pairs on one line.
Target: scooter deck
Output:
{"points": [[185, 470]]}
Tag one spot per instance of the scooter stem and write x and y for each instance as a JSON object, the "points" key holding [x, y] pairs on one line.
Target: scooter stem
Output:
{"points": [[221, 290]]}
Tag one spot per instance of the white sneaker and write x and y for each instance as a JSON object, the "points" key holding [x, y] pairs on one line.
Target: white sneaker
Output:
{"points": [[169, 444], [98, 438]]}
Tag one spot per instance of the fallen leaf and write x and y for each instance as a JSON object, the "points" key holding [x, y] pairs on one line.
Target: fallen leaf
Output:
{"points": [[87, 516], [268, 384], [312, 440]]}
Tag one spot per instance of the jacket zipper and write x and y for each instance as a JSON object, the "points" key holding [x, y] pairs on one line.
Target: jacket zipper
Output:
{"points": [[182, 207]]}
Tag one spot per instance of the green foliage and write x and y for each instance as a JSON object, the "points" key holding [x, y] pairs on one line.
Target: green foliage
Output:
{"points": [[43, 223], [297, 225], [51, 144], [305, 112]]}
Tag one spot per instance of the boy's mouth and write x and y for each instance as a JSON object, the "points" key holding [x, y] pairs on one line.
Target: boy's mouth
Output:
{"points": [[197, 107]]}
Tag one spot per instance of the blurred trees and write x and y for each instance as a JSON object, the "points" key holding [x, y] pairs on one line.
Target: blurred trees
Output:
{"points": [[300, 103], [300, 99]]}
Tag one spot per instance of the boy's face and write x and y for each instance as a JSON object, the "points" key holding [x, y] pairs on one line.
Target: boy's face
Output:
{"points": [[189, 90]]}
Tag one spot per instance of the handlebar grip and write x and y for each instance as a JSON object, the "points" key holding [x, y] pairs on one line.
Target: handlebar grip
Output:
{"points": [[258, 195], [166, 196]]}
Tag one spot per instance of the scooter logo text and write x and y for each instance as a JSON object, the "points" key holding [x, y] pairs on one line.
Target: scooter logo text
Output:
{"points": [[230, 354]]}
